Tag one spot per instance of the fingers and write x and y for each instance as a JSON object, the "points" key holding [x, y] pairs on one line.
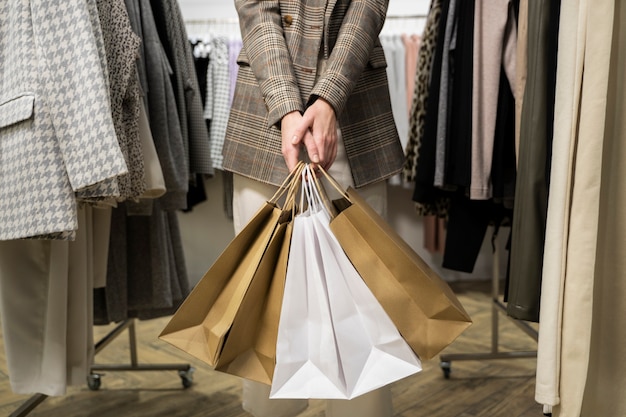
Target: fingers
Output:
{"points": [[321, 146], [322, 149], [314, 151], [316, 130], [291, 155], [331, 154], [291, 139]]}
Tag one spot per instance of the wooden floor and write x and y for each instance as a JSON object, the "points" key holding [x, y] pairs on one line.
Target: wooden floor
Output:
{"points": [[493, 388]]}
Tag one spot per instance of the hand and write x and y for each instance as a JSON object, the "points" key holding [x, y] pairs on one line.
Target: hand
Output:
{"points": [[293, 132], [321, 144]]}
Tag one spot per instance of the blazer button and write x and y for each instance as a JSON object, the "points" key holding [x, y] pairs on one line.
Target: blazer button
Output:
{"points": [[288, 19]]}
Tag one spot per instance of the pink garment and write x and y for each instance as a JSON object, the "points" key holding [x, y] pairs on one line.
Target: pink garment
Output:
{"points": [[434, 234], [495, 41], [411, 47]]}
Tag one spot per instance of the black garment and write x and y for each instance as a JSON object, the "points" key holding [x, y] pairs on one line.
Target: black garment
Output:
{"points": [[196, 193], [467, 225], [531, 198], [425, 191], [201, 64], [503, 170], [458, 167]]}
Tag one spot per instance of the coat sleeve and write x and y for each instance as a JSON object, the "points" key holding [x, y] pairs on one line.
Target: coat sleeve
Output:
{"points": [[357, 36], [270, 61], [77, 92]]}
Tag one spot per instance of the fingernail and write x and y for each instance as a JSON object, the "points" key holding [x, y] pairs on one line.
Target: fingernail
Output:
{"points": [[294, 139], [315, 159]]}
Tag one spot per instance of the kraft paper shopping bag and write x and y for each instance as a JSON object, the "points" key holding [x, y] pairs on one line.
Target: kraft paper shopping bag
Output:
{"points": [[203, 323], [250, 349], [420, 303]]}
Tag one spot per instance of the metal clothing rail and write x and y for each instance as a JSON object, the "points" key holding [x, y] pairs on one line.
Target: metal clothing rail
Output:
{"points": [[211, 21], [201, 28], [497, 307], [185, 371], [407, 16]]}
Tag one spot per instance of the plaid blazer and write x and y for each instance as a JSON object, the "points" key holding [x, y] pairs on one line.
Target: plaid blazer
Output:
{"points": [[283, 40]]}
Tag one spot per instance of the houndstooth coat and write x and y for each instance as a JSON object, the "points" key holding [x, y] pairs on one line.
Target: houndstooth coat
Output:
{"points": [[56, 131], [283, 40]]}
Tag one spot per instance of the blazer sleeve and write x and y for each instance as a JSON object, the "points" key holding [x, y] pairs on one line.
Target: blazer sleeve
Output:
{"points": [[358, 34], [77, 92], [270, 61]]}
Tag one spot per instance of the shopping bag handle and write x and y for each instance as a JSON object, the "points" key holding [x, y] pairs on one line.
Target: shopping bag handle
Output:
{"points": [[334, 183], [294, 185], [337, 205], [332, 211], [290, 199], [313, 190], [313, 193], [289, 185]]}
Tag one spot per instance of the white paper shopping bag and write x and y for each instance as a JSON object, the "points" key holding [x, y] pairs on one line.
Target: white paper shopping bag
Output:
{"points": [[334, 338]]}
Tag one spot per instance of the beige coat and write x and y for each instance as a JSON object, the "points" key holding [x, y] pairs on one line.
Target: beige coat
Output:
{"points": [[580, 363]]}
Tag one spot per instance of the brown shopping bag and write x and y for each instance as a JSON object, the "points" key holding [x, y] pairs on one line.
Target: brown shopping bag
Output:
{"points": [[250, 349], [234, 292], [421, 304]]}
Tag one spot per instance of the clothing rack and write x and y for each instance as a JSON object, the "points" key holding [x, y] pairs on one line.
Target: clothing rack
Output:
{"points": [[404, 17], [497, 308], [219, 20], [404, 24], [222, 26], [185, 371]]}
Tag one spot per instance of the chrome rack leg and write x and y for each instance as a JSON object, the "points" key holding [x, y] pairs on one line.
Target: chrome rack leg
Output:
{"points": [[497, 307], [185, 371], [29, 405]]}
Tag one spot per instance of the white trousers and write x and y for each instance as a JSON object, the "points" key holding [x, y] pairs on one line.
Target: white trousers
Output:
{"points": [[46, 305], [248, 196]]}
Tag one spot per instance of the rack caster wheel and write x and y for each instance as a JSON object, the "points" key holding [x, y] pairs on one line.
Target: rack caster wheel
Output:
{"points": [[446, 368], [94, 381], [186, 377]]}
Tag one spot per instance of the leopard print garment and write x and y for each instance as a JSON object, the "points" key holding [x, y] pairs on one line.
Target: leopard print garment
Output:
{"points": [[417, 118]]}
